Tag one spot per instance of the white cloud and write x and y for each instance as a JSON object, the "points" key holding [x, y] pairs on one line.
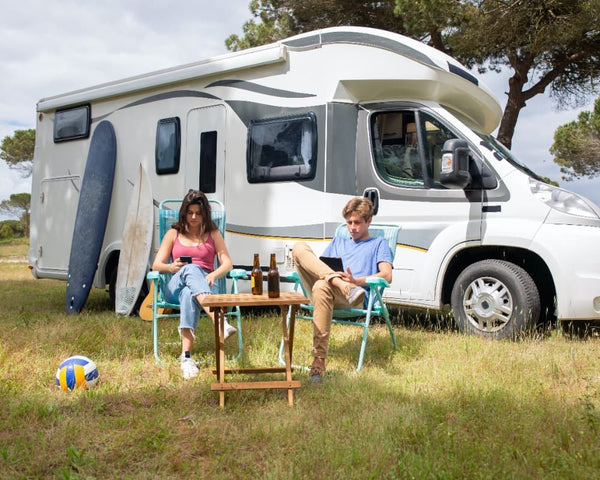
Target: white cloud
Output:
{"points": [[12, 182], [49, 48]]}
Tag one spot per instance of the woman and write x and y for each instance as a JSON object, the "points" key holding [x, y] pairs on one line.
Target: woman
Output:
{"points": [[195, 235]]}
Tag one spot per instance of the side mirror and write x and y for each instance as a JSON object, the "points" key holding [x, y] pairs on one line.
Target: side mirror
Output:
{"points": [[455, 164]]}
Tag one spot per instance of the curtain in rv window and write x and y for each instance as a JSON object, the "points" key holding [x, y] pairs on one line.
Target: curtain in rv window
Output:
{"points": [[168, 145], [282, 149], [72, 123]]}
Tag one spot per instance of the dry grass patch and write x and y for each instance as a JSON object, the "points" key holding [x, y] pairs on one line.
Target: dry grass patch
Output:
{"points": [[441, 406]]}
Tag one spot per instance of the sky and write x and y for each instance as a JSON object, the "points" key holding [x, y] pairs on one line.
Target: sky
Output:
{"points": [[48, 48]]}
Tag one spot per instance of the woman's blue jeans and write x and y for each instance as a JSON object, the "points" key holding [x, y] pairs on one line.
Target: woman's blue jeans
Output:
{"points": [[183, 288]]}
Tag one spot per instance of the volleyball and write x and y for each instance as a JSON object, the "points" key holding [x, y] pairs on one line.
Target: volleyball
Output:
{"points": [[77, 372]]}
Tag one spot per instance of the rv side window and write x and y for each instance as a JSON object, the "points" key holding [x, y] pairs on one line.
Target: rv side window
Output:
{"points": [[407, 148], [435, 134], [168, 142], [282, 149], [72, 123], [208, 162], [396, 148]]}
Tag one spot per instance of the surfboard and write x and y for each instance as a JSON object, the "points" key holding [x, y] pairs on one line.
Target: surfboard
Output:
{"points": [[135, 245], [92, 214]]}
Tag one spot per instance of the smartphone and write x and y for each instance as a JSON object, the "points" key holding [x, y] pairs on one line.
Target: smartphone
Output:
{"points": [[185, 259]]}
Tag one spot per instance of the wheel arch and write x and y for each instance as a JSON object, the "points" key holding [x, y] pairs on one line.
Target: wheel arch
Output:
{"points": [[110, 272], [532, 263]]}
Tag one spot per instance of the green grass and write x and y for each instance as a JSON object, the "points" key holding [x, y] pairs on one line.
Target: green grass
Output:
{"points": [[442, 406]]}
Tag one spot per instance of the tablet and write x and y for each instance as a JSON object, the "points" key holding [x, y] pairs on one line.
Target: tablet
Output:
{"points": [[335, 263]]}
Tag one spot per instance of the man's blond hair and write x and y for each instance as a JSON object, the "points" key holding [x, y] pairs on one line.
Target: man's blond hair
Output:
{"points": [[361, 206]]}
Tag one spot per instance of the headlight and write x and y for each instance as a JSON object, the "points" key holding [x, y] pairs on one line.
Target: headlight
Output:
{"points": [[562, 200]]}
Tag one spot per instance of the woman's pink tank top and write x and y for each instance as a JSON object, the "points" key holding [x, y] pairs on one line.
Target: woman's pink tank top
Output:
{"points": [[203, 255]]}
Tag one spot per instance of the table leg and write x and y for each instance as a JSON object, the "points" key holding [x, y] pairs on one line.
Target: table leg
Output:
{"points": [[287, 350], [220, 349], [292, 324]]}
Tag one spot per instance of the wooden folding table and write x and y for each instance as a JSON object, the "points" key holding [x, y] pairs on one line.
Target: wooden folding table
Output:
{"points": [[287, 301]]}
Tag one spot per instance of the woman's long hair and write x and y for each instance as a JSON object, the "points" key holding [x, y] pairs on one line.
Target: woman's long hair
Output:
{"points": [[195, 197]]}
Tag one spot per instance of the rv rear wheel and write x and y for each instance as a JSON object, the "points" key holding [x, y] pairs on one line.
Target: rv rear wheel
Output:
{"points": [[495, 299]]}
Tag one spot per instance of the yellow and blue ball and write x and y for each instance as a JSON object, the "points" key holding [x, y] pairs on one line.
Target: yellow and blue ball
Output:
{"points": [[77, 372]]}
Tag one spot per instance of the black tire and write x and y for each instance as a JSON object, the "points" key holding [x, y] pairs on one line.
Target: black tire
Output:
{"points": [[495, 299]]}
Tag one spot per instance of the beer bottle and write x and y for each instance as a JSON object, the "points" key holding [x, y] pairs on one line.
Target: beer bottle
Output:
{"points": [[256, 278], [273, 279]]}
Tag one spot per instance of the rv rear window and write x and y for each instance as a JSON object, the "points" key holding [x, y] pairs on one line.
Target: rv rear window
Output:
{"points": [[282, 149], [72, 123], [168, 145]]}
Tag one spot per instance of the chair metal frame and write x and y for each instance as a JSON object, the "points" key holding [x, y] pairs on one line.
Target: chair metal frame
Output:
{"points": [[376, 307], [166, 217]]}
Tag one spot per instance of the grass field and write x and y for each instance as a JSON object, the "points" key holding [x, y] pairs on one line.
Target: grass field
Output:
{"points": [[442, 406]]}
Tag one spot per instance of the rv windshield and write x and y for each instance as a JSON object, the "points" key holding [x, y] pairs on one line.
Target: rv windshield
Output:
{"points": [[503, 153]]}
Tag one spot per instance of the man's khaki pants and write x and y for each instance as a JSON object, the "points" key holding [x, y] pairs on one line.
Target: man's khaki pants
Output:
{"points": [[316, 276]]}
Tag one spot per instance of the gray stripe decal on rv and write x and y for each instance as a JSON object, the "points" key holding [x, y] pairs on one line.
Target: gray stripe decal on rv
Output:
{"points": [[375, 41], [363, 39], [256, 88], [421, 239], [159, 97], [461, 72], [307, 232]]}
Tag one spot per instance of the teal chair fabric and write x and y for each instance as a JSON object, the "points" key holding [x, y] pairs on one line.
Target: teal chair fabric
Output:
{"points": [[360, 317], [168, 213]]}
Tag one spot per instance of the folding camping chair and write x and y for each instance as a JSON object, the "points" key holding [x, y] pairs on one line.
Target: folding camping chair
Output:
{"points": [[168, 213], [376, 307]]}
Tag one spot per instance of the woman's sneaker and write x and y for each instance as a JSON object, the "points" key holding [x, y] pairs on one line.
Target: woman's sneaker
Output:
{"points": [[229, 331], [189, 368]]}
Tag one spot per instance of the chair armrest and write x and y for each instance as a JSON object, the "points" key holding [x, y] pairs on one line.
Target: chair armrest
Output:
{"points": [[376, 282], [153, 275], [292, 276], [238, 273]]}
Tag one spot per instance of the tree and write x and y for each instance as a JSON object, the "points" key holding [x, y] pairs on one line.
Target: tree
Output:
{"points": [[11, 229], [17, 151], [546, 43], [18, 206], [280, 19], [576, 146], [5, 231]]}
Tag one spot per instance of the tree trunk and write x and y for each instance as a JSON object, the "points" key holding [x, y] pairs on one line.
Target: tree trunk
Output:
{"points": [[514, 104]]}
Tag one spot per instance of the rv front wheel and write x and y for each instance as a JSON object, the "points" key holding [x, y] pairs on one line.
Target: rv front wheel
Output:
{"points": [[495, 299]]}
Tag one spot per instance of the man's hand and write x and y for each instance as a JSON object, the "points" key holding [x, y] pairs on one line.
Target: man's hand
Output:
{"points": [[348, 277]]}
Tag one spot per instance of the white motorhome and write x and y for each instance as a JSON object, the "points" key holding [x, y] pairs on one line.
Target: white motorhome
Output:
{"points": [[286, 133]]}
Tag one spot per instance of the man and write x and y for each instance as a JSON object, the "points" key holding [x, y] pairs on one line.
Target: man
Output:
{"points": [[362, 255]]}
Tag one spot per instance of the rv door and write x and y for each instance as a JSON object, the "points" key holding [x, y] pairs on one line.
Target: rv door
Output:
{"points": [[400, 159], [205, 152]]}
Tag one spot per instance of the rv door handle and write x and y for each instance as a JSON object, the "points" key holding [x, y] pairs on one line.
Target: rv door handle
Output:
{"points": [[373, 195], [491, 208]]}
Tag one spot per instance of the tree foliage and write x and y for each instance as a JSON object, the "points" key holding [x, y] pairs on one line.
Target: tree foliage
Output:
{"points": [[11, 229], [17, 151], [18, 206], [576, 146], [551, 44], [278, 19]]}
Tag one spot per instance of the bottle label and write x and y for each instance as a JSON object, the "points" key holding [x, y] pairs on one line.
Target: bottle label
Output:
{"points": [[252, 282]]}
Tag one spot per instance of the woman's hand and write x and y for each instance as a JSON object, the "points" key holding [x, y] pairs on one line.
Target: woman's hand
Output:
{"points": [[175, 266], [211, 278]]}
